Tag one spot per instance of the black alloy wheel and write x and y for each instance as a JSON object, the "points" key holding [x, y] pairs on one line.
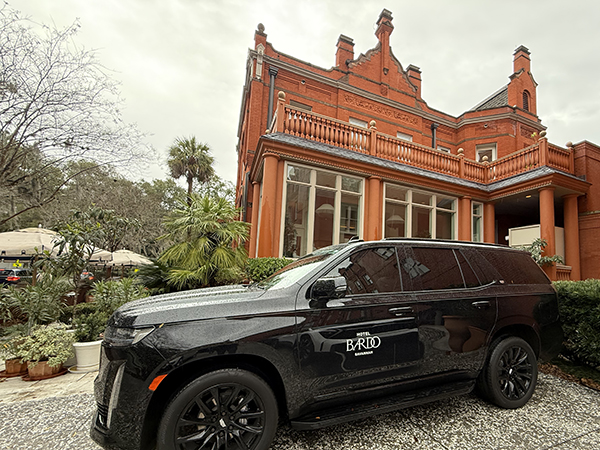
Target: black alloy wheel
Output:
{"points": [[510, 375], [228, 409]]}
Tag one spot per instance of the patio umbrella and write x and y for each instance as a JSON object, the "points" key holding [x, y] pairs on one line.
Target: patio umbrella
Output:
{"points": [[26, 242], [119, 258]]}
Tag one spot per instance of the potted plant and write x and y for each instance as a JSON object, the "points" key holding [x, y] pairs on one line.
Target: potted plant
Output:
{"points": [[88, 323], [13, 360], [45, 350]]}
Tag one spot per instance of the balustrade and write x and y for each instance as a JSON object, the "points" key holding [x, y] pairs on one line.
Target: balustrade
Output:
{"points": [[315, 127]]}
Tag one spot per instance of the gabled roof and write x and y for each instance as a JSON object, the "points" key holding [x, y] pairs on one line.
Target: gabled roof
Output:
{"points": [[496, 100]]}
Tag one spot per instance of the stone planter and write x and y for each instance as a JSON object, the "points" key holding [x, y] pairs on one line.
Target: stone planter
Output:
{"points": [[14, 367], [87, 355], [42, 371]]}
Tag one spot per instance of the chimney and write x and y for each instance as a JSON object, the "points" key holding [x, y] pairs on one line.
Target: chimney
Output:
{"points": [[345, 52], [522, 60], [414, 75], [384, 29]]}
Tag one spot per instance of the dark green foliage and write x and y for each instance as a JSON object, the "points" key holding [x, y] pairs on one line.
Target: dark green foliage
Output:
{"points": [[258, 269], [89, 326], [155, 278], [89, 319], [536, 249], [579, 303]]}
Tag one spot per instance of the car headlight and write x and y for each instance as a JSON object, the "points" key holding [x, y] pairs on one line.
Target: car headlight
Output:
{"points": [[123, 337]]}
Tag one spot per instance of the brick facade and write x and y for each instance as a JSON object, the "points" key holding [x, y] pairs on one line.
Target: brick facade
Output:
{"points": [[352, 122]]}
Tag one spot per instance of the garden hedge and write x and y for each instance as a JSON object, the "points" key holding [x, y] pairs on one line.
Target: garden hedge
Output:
{"points": [[258, 269], [579, 305]]}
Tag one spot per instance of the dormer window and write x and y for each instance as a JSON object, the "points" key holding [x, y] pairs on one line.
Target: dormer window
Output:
{"points": [[526, 100]]}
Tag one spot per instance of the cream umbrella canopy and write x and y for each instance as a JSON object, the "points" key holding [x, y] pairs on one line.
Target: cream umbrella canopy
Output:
{"points": [[119, 258], [26, 243]]}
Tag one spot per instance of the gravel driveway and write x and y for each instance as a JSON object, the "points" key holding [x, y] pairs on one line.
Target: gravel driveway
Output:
{"points": [[561, 415]]}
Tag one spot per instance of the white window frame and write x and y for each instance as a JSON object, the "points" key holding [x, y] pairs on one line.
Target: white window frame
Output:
{"points": [[358, 122], [311, 204], [481, 148], [297, 105], [443, 149], [433, 208], [404, 136], [480, 217]]}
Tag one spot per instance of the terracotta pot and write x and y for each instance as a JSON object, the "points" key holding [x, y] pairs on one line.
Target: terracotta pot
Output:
{"points": [[42, 369], [15, 367], [88, 355]]}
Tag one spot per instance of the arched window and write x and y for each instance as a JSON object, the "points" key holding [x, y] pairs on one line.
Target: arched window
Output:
{"points": [[526, 100]]}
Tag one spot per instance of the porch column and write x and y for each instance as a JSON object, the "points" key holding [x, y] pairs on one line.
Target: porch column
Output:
{"points": [[572, 236], [489, 223], [254, 220], [464, 219], [268, 208], [373, 211], [547, 227]]}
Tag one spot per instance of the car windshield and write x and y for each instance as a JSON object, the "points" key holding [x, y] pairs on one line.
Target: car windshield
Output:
{"points": [[296, 270]]}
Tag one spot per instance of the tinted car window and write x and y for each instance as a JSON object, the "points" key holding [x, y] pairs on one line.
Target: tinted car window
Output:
{"points": [[515, 267], [370, 270], [483, 269], [468, 273], [431, 268]]}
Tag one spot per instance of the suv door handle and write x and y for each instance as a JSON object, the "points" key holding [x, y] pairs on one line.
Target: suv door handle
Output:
{"points": [[402, 311], [482, 304]]}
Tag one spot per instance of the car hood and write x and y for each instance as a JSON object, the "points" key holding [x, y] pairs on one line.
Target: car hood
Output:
{"points": [[198, 304]]}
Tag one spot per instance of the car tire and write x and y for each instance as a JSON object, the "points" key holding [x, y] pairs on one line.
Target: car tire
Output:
{"points": [[228, 406], [510, 374]]}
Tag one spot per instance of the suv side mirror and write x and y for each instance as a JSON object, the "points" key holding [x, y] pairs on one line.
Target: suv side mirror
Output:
{"points": [[328, 288]]}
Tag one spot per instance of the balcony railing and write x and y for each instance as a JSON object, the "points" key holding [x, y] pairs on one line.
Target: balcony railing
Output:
{"points": [[315, 127]]}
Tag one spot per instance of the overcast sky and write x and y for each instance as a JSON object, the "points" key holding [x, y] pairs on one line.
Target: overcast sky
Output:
{"points": [[182, 62]]}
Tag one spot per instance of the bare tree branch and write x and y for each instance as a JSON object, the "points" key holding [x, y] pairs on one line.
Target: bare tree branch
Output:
{"points": [[56, 100]]}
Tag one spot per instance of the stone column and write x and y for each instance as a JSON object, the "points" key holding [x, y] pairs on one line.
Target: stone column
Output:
{"points": [[254, 222], [547, 227], [489, 223], [464, 219], [268, 207], [373, 211], [572, 236]]}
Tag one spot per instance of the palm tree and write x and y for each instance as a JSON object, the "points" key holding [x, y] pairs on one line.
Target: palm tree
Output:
{"points": [[192, 160], [209, 249]]}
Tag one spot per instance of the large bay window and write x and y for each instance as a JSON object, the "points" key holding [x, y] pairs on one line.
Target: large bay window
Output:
{"points": [[321, 208], [410, 213]]}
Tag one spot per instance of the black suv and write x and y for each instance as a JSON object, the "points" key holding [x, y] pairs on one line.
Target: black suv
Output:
{"points": [[343, 333]]}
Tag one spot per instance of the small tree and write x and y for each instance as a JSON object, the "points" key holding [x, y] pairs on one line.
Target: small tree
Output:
{"points": [[209, 249], [537, 248]]}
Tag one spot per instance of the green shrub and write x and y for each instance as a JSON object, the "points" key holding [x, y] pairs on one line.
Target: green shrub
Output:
{"points": [[258, 269], [579, 305], [52, 343], [90, 319]]}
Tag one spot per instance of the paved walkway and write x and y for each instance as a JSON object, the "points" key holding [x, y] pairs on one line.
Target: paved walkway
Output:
{"points": [[56, 413]]}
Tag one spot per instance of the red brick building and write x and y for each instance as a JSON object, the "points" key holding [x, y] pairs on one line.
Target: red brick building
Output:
{"points": [[326, 154]]}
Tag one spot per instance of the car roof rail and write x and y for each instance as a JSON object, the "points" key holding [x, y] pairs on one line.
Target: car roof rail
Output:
{"points": [[355, 238]]}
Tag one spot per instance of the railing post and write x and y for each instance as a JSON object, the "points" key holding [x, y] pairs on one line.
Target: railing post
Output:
{"points": [[571, 157], [543, 145], [280, 111], [461, 163], [373, 140], [486, 169]]}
